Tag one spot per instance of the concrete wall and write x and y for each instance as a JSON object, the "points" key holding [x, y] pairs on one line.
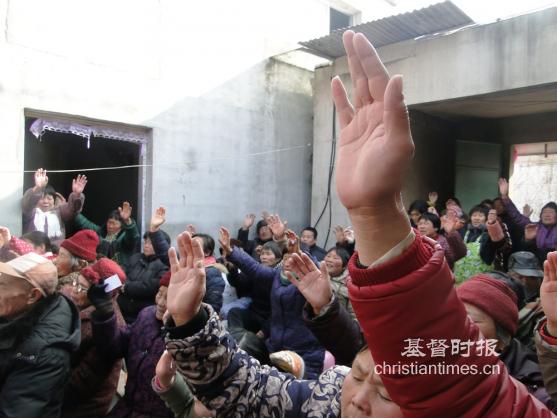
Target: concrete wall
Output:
{"points": [[197, 73]]}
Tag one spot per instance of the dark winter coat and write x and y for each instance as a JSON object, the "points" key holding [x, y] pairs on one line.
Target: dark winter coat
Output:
{"points": [[141, 344], [93, 379], [317, 252], [143, 275], [35, 361], [288, 331], [214, 286]]}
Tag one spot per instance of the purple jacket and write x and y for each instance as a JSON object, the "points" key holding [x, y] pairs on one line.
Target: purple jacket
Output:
{"points": [[141, 344], [547, 235]]}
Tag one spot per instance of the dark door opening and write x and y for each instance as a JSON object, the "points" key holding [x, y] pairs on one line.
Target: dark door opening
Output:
{"points": [[106, 189]]}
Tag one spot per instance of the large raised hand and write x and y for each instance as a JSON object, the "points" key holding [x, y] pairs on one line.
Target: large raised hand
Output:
{"points": [[312, 282], [157, 219], [277, 226], [79, 183], [187, 281], [548, 292], [375, 148]]}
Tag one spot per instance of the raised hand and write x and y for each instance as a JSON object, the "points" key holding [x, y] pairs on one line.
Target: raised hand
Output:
{"points": [[339, 234], [349, 235], [248, 221], [292, 243], [548, 292], [191, 229], [187, 281], [166, 370], [527, 210], [79, 183], [448, 222], [157, 219], [432, 198], [265, 215], [277, 227], [312, 282], [530, 232], [125, 212], [503, 187], [375, 141], [5, 235], [492, 216], [41, 179], [224, 241]]}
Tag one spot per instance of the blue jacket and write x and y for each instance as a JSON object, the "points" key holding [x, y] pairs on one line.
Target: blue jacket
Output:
{"points": [[288, 330]]}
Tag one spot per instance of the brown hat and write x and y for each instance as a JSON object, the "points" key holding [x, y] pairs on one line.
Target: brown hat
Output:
{"points": [[37, 270], [82, 244]]}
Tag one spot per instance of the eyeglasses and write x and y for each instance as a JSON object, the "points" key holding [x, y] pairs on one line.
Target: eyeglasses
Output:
{"points": [[79, 287]]}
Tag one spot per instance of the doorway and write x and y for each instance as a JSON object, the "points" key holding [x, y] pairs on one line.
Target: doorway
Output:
{"points": [[68, 152]]}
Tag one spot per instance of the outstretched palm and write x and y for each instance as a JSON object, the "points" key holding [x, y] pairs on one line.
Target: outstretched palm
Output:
{"points": [[187, 281], [312, 282], [548, 292], [375, 141], [79, 183], [158, 218]]}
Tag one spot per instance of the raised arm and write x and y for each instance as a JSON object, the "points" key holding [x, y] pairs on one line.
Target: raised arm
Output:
{"points": [[32, 196], [73, 206], [160, 245], [408, 293], [515, 215]]}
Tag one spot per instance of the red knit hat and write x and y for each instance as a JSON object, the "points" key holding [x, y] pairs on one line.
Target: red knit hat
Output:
{"points": [[493, 297], [82, 244], [103, 269], [165, 279]]}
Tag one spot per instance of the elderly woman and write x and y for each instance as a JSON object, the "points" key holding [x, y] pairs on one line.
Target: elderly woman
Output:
{"points": [[75, 253], [336, 263], [40, 212], [93, 379]]}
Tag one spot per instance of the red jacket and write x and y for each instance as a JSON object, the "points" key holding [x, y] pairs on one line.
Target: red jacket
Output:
{"points": [[413, 297]]}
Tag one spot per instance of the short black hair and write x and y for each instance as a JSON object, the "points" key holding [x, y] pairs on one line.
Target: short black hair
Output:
{"points": [[38, 238], [311, 229], [164, 234], [115, 214], [479, 208], [434, 219], [49, 190], [208, 243], [420, 206]]}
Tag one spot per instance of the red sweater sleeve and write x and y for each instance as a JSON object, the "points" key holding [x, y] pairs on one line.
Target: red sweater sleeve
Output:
{"points": [[413, 297]]}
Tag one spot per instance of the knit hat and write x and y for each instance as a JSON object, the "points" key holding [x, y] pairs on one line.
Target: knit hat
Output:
{"points": [[103, 269], [165, 279], [82, 244], [493, 297]]}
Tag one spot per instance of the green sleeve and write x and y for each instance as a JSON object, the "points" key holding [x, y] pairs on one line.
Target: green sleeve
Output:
{"points": [[129, 237], [179, 398], [81, 222]]}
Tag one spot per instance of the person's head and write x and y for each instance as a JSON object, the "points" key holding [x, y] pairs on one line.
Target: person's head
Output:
{"points": [[24, 281], [270, 254], [336, 261], [309, 236], [417, 208], [77, 252], [95, 274], [113, 223], [548, 215], [499, 206], [363, 393], [47, 202], [160, 298], [429, 225], [525, 267], [492, 306], [207, 243], [452, 201], [39, 240], [478, 216], [263, 231], [148, 249]]}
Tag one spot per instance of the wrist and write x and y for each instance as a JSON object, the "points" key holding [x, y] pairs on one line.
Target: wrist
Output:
{"points": [[378, 229], [183, 318], [153, 228], [128, 221]]}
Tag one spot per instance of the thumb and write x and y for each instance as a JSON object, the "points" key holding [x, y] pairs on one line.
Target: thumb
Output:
{"points": [[396, 120]]}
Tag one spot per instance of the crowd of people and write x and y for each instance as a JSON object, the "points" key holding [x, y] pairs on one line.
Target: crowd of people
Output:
{"points": [[109, 322]]}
